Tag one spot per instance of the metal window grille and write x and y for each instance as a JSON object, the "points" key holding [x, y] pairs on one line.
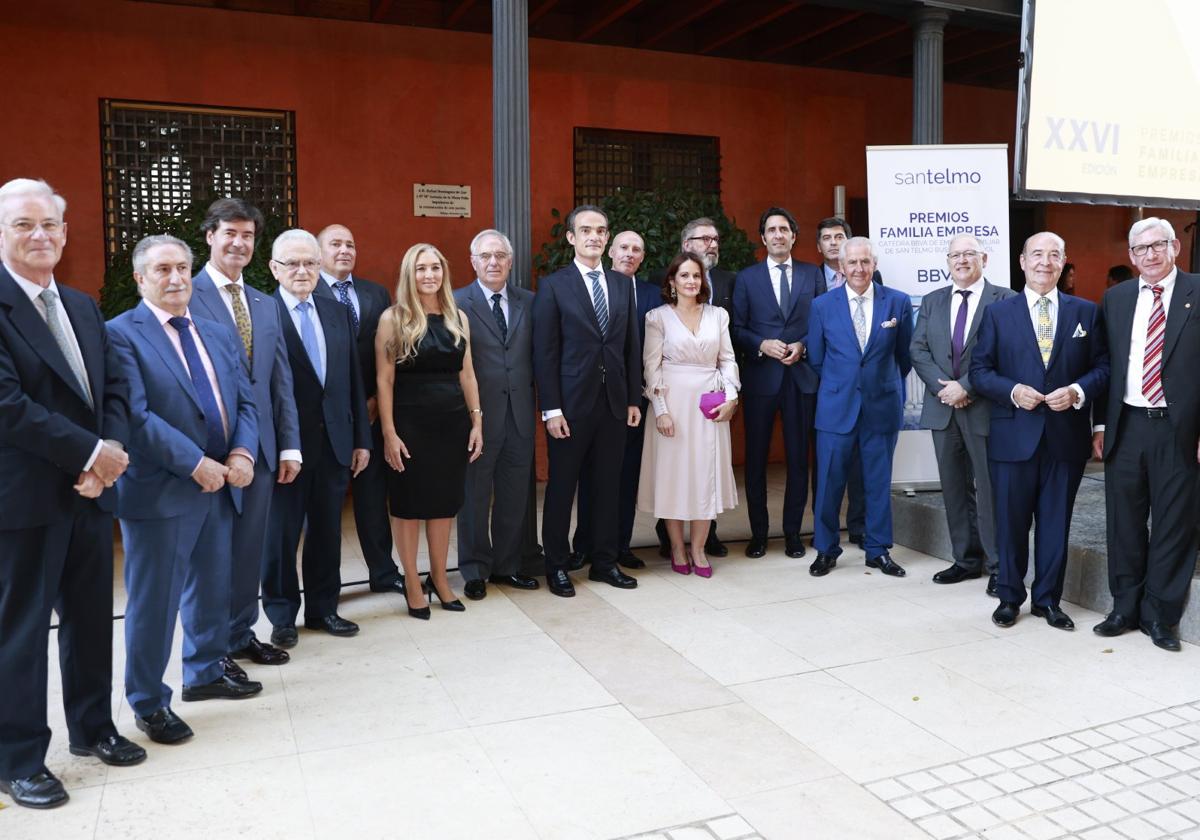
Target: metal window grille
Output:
{"points": [[158, 158], [607, 161]]}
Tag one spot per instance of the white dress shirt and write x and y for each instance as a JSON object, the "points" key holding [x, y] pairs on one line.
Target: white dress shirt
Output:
{"points": [[487, 295], [1031, 304], [293, 303], [587, 284], [353, 293], [1137, 338], [773, 273], [956, 300]]}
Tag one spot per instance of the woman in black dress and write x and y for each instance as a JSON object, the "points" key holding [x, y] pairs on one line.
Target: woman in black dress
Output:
{"points": [[429, 411]]}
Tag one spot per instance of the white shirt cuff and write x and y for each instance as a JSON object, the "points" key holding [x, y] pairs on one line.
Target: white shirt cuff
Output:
{"points": [[1081, 397], [551, 414], [95, 455], [291, 455], [1012, 395]]}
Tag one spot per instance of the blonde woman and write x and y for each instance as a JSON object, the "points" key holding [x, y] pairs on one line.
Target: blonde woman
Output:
{"points": [[430, 415]]}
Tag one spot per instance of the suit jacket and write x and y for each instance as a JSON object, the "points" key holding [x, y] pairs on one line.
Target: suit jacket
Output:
{"points": [[373, 301], [269, 373], [1006, 354], [933, 357], [167, 431], [572, 361], [1181, 351], [47, 429], [861, 386], [757, 316], [503, 368], [337, 410]]}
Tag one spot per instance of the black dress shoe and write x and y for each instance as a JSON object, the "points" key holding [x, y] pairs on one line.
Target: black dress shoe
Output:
{"points": [[222, 688], [992, 591], [1055, 617], [163, 727], [114, 750], [1162, 635], [1114, 624], [333, 624], [233, 670], [261, 654], [397, 586], [1006, 614], [559, 583], [858, 540], [475, 589], [576, 560], [713, 545], [284, 636], [757, 547], [630, 560], [793, 546], [821, 566], [515, 581], [613, 577], [955, 574], [887, 565], [41, 790]]}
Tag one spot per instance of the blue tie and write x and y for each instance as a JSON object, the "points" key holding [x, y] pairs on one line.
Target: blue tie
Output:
{"points": [[343, 290], [599, 302], [216, 448], [308, 334]]}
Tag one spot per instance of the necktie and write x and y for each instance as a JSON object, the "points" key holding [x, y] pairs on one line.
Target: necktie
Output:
{"points": [[599, 302], [1045, 330], [49, 299], [498, 314], [1156, 330], [785, 293], [860, 322], [838, 280], [216, 447], [960, 331], [242, 319], [343, 291], [308, 335]]}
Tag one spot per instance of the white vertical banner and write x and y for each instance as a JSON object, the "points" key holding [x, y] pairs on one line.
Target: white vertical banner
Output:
{"points": [[918, 199]]}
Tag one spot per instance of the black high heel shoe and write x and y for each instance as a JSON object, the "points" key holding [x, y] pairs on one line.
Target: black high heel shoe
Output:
{"points": [[453, 606], [419, 612]]}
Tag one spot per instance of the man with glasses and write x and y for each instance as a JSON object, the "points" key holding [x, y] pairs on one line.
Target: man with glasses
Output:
{"points": [[947, 327], [1150, 437], [495, 503]]}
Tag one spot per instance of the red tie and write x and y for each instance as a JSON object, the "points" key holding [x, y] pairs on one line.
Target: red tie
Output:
{"points": [[1152, 388]]}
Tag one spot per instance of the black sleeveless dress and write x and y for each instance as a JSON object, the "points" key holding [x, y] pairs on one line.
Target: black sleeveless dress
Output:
{"points": [[431, 418]]}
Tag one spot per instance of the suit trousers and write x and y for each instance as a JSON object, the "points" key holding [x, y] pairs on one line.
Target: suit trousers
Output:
{"points": [[856, 504], [631, 470], [177, 565], [249, 554], [967, 491], [66, 567], [597, 437], [312, 505], [835, 457], [492, 519], [369, 489], [796, 409], [1146, 478], [1042, 490]]}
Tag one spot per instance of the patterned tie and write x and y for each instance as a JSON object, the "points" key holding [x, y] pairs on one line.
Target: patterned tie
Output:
{"points": [[1156, 330], [1045, 330], [599, 302], [308, 335], [343, 290], [49, 299], [960, 331], [785, 292], [860, 322], [216, 448], [242, 319], [838, 280], [498, 314]]}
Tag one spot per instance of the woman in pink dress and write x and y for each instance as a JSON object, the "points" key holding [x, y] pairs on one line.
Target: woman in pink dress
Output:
{"points": [[687, 466]]}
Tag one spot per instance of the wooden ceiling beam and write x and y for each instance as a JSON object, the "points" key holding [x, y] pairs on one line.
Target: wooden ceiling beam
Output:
{"points": [[860, 43], [810, 34], [750, 16], [678, 16], [457, 13], [380, 9], [605, 18], [543, 8]]}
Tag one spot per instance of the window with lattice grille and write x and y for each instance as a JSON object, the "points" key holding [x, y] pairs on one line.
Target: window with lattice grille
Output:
{"points": [[607, 160]]}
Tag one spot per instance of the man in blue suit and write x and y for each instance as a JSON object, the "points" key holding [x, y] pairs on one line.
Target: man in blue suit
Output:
{"points": [[231, 228], [334, 431], [771, 305], [192, 433], [1040, 358], [858, 343]]}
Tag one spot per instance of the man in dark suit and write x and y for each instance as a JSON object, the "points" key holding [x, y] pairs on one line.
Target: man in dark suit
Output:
{"points": [[63, 427], [334, 431], [1039, 358], [367, 300], [497, 492], [231, 228], [1150, 437], [858, 343], [587, 360], [193, 430], [771, 304], [947, 326]]}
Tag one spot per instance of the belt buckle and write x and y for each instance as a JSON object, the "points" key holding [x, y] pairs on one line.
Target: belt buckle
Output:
{"points": [[1156, 413]]}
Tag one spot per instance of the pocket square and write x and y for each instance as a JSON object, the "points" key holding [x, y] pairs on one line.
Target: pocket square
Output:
{"points": [[888, 324], [1080, 332]]}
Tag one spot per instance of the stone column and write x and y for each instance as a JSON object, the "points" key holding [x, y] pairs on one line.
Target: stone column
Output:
{"points": [[510, 131], [928, 28]]}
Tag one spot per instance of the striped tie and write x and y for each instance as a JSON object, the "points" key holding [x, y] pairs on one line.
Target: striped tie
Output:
{"points": [[1152, 388], [599, 302], [1045, 330]]}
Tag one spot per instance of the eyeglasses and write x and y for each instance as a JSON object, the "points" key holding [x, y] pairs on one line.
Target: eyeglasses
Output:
{"points": [[1157, 247], [487, 256], [962, 255], [25, 226], [707, 240], [295, 265]]}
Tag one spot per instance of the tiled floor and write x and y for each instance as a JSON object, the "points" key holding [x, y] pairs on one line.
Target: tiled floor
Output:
{"points": [[761, 703]]}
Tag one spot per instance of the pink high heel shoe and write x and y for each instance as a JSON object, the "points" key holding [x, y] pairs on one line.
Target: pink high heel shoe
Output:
{"points": [[684, 568], [703, 571]]}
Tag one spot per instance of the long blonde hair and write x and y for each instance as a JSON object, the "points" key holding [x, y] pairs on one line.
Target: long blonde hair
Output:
{"points": [[408, 318]]}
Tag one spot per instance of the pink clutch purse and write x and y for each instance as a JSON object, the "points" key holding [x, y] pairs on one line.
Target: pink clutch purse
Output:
{"points": [[710, 401]]}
